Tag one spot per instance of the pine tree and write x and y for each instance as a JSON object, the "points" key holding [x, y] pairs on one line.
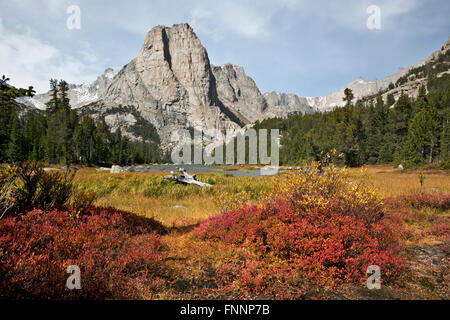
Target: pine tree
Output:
{"points": [[421, 100], [15, 146], [63, 95], [348, 96], [377, 132], [390, 100], [5, 79], [52, 104], [51, 140], [445, 143], [423, 136], [399, 119], [31, 92]]}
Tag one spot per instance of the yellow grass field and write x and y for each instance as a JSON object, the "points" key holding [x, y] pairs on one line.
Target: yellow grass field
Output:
{"points": [[390, 182], [181, 208], [149, 195]]}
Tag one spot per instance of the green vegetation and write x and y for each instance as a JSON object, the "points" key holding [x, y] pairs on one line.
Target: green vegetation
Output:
{"points": [[293, 236], [61, 135], [410, 131], [27, 186]]}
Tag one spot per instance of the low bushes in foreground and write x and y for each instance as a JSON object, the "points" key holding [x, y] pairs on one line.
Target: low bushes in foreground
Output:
{"points": [[316, 230], [120, 255], [424, 215], [437, 200], [281, 246], [26, 186]]}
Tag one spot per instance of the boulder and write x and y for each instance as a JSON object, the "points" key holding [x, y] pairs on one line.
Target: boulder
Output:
{"points": [[117, 169]]}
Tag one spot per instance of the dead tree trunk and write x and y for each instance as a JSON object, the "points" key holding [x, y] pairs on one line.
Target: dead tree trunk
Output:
{"points": [[186, 178]]}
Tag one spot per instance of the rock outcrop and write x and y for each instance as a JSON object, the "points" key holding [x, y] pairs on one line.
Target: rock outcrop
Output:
{"points": [[171, 84], [239, 93], [283, 105]]}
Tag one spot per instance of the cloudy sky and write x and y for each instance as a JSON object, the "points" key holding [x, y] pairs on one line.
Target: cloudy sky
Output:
{"points": [[306, 47]]}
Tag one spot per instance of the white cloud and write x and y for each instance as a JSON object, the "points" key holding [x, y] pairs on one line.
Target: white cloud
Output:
{"points": [[29, 61], [352, 16], [398, 7], [21, 55], [257, 19], [239, 18], [242, 18], [56, 6], [89, 56], [247, 19], [52, 6]]}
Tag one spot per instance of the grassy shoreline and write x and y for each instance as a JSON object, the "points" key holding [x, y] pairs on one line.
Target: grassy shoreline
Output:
{"points": [[289, 245], [149, 195], [182, 208]]}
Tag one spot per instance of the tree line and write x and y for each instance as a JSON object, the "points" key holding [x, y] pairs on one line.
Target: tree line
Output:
{"points": [[376, 130], [61, 135], [408, 131]]}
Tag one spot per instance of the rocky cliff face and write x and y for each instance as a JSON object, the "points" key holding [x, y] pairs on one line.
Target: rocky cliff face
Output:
{"points": [[171, 84], [239, 93], [282, 105]]}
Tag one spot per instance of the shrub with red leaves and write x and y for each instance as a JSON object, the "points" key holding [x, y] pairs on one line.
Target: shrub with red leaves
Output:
{"points": [[120, 255], [282, 243], [438, 200]]}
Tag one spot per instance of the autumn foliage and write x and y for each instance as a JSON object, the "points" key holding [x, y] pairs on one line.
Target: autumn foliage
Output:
{"points": [[437, 200], [310, 233], [120, 255], [315, 229]]}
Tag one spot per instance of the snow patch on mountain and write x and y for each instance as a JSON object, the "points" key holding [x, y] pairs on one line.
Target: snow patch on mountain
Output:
{"points": [[79, 94], [31, 102]]}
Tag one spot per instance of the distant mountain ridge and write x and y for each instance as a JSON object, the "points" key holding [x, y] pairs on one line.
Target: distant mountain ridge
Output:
{"points": [[171, 84], [362, 88], [281, 105], [79, 95]]}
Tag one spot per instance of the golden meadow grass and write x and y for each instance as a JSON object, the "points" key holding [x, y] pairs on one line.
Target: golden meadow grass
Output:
{"points": [[390, 182], [148, 194], [182, 207]]}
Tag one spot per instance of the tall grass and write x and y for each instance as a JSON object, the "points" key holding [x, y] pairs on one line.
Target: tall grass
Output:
{"points": [[391, 182], [148, 194]]}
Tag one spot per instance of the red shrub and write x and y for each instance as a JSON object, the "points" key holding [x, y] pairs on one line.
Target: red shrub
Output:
{"points": [[438, 200], [433, 200], [116, 251], [318, 245], [440, 230]]}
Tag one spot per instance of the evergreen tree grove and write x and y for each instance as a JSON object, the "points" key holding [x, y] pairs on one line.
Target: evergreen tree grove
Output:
{"points": [[60, 135], [409, 131]]}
